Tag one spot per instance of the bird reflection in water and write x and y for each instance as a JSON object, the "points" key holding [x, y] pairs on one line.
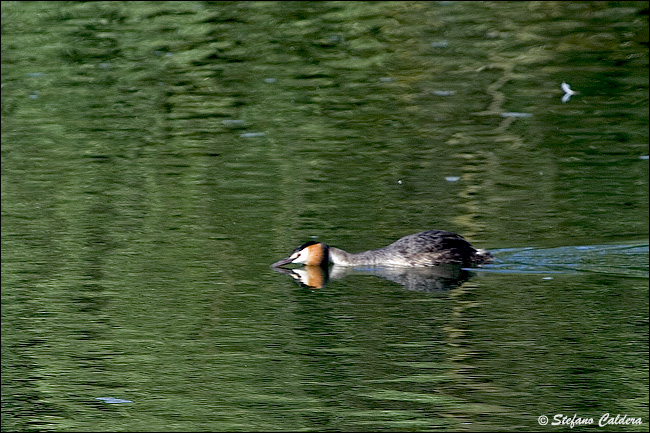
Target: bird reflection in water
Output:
{"points": [[426, 279]]}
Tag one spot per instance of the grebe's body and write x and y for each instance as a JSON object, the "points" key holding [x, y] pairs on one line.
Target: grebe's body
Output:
{"points": [[430, 248]]}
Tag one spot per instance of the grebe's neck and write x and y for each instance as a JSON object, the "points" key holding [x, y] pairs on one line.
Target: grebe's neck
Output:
{"points": [[338, 256]]}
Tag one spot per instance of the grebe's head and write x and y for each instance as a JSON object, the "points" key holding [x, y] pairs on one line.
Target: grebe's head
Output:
{"points": [[310, 253]]}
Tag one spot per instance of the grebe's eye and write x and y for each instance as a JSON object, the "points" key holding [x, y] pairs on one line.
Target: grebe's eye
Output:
{"points": [[299, 256]]}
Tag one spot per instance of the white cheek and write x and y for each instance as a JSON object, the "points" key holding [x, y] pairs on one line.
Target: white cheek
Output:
{"points": [[301, 257]]}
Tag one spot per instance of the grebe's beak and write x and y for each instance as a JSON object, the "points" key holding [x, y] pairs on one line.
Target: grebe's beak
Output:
{"points": [[304, 254], [284, 261]]}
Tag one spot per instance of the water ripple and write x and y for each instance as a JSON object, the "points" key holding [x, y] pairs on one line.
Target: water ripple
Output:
{"points": [[622, 260]]}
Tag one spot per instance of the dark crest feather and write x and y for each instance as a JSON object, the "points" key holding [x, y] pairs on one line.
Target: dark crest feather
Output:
{"points": [[305, 245]]}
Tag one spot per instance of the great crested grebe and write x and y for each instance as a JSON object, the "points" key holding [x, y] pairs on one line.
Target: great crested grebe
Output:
{"points": [[430, 248]]}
